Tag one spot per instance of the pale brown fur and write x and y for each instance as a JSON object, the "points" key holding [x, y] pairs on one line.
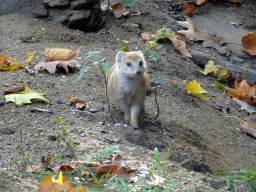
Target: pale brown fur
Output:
{"points": [[128, 84]]}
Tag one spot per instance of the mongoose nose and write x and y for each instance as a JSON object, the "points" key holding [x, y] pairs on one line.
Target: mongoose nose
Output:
{"points": [[138, 72]]}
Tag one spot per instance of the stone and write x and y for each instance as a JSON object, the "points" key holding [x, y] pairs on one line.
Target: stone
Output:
{"points": [[80, 4], [57, 3], [79, 15]]}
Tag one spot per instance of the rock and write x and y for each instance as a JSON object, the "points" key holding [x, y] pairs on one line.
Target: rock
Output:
{"points": [[2, 103], [7, 130], [40, 11], [80, 4], [79, 15], [237, 60], [94, 109], [57, 3]]}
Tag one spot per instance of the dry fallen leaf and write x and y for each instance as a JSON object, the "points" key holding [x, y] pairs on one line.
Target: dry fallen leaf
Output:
{"points": [[147, 36], [246, 106], [188, 8], [120, 10], [61, 184], [194, 88], [179, 44], [217, 70], [199, 2], [52, 67], [132, 27], [66, 168], [24, 97], [250, 126], [46, 160], [210, 40], [249, 43], [14, 90], [79, 103], [235, 1], [243, 91], [61, 54], [8, 63], [178, 40]]}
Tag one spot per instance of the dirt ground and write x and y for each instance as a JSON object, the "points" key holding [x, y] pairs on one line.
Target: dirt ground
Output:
{"points": [[193, 128]]}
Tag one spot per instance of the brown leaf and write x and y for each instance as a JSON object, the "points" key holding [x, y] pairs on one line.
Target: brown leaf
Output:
{"points": [[147, 36], [14, 90], [111, 167], [66, 168], [79, 103], [188, 8], [132, 27], [61, 54], [246, 106], [179, 44], [235, 1], [46, 160], [104, 169], [250, 126], [210, 40], [178, 41], [120, 10], [4, 58], [77, 163], [243, 91], [199, 2], [74, 54], [190, 25], [49, 186], [51, 67], [249, 42]]}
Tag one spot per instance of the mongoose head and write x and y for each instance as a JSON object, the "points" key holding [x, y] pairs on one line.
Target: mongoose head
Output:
{"points": [[131, 63]]}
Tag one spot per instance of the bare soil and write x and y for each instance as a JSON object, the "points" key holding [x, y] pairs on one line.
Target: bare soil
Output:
{"points": [[193, 128]]}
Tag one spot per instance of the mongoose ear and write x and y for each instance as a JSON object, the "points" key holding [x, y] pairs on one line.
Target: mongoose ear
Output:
{"points": [[119, 56], [139, 53]]}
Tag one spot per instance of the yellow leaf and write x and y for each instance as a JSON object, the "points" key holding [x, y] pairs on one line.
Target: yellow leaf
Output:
{"points": [[25, 96], [194, 88], [31, 55], [235, 24], [209, 68], [59, 180]]}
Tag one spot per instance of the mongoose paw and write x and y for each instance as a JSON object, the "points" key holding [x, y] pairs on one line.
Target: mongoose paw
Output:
{"points": [[127, 122], [136, 127]]}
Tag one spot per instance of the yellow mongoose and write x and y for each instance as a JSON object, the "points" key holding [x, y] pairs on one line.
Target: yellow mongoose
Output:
{"points": [[128, 83]]}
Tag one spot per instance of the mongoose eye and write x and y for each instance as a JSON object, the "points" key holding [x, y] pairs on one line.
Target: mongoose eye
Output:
{"points": [[141, 63], [128, 64]]}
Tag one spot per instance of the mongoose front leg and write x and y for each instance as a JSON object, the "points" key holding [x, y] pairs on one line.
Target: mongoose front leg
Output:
{"points": [[135, 112], [126, 109]]}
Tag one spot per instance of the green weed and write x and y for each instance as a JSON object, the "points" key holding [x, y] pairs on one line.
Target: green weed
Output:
{"points": [[65, 136], [163, 33], [236, 178]]}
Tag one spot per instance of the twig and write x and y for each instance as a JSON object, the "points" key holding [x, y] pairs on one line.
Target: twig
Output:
{"points": [[31, 181], [106, 88], [158, 109]]}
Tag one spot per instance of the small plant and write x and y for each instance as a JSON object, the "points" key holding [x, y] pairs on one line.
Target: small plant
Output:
{"points": [[65, 136], [84, 69], [162, 164], [163, 33], [101, 156], [236, 178], [156, 84]]}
